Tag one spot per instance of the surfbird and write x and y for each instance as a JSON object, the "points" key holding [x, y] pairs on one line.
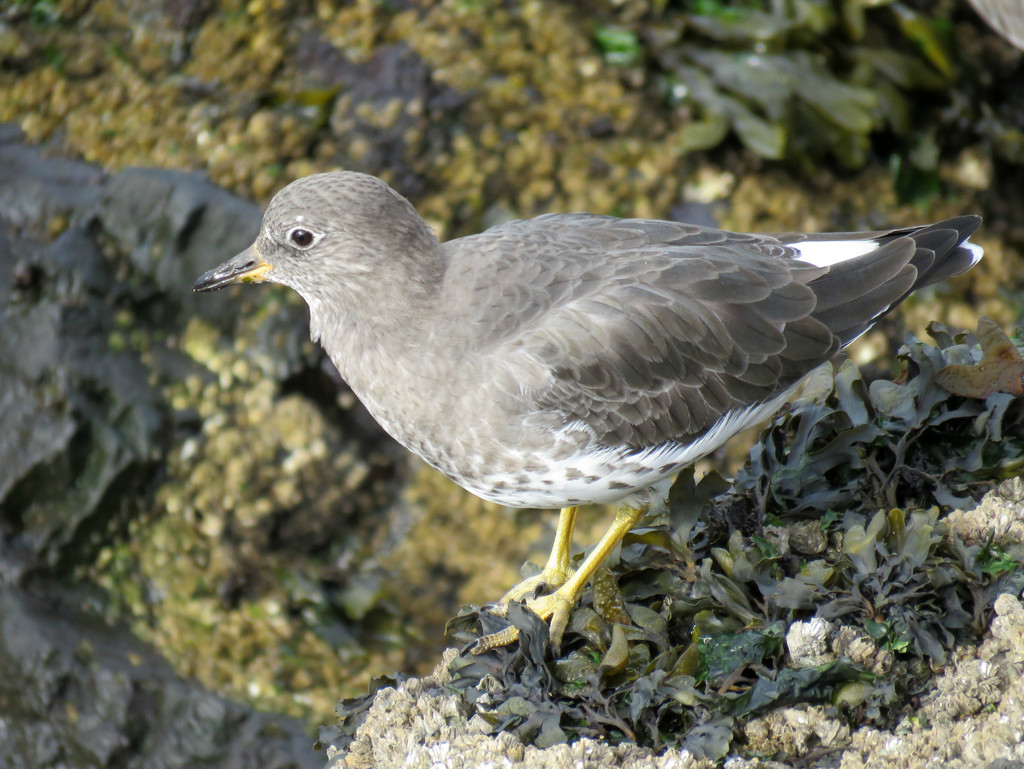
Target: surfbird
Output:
{"points": [[573, 359]]}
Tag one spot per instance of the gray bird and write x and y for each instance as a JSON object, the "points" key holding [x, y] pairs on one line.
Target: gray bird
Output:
{"points": [[574, 359]]}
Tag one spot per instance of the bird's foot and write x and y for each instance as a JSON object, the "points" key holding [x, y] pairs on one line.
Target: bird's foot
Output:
{"points": [[554, 607], [550, 579], [557, 606]]}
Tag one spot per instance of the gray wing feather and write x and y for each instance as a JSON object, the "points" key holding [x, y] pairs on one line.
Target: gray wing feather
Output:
{"points": [[648, 332]]}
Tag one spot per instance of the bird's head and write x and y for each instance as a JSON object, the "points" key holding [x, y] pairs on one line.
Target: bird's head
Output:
{"points": [[337, 238]]}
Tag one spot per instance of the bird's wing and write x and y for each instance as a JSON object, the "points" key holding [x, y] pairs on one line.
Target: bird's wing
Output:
{"points": [[650, 332]]}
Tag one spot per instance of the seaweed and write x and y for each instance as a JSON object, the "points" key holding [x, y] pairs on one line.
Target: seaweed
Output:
{"points": [[801, 80]]}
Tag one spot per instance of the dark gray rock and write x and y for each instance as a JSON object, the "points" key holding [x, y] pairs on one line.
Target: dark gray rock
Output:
{"points": [[34, 188], [78, 693], [83, 423], [175, 225], [88, 321], [394, 74]]}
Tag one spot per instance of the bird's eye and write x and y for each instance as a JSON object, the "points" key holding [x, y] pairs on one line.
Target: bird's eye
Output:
{"points": [[301, 238]]}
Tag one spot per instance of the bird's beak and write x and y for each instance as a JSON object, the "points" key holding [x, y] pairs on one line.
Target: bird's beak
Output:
{"points": [[247, 267]]}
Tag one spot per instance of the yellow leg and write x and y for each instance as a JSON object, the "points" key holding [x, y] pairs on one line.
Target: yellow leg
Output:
{"points": [[556, 571], [558, 606]]}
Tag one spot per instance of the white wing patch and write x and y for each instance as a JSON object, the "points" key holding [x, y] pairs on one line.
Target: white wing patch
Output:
{"points": [[976, 251], [825, 253]]}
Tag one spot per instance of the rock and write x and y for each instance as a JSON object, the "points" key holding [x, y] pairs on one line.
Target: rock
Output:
{"points": [[389, 110], [95, 273], [78, 693], [175, 225], [34, 190], [421, 724], [808, 642], [82, 423]]}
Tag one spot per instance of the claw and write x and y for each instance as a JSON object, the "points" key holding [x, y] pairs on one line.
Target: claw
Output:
{"points": [[493, 640]]}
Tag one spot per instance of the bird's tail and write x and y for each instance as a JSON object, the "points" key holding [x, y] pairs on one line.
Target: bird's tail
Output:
{"points": [[857, 292]]}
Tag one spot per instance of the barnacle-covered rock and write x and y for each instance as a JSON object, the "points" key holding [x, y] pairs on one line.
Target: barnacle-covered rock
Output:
{"points": [[421, 722], [862, 650], [808, 642], [796, 731], [975, 715], [997, 522]]}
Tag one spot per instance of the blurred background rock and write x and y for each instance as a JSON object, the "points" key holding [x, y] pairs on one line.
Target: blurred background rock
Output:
{"points": [[185, 479]]}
